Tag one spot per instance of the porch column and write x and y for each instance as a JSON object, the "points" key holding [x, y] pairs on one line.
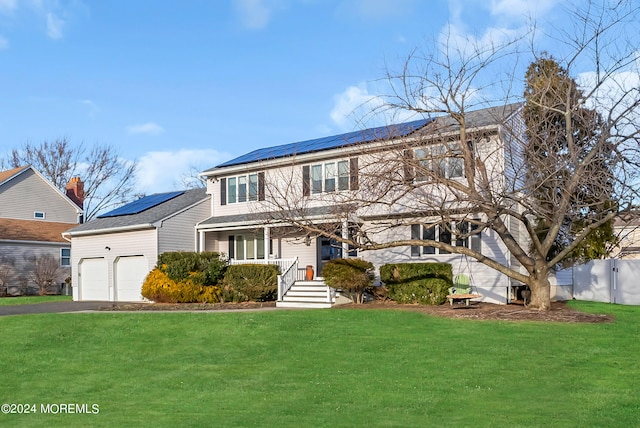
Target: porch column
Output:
{"points": [[201, 242], [345, 235], [267, 238]]}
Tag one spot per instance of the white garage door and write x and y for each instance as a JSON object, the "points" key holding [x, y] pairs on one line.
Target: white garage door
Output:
{"points": [[130, 274], [94, 280]]}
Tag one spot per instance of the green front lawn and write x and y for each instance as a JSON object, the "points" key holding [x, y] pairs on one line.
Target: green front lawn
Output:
{"points": [[321, 368], [28, 300]]}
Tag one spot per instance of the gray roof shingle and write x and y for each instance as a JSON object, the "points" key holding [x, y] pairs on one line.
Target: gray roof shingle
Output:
{"points": [[145, 218]]}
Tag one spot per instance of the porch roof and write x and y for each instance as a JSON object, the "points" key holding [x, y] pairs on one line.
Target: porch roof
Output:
{"points": [[264, 218]]}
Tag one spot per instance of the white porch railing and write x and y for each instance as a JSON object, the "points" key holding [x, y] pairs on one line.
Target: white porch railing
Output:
{"points": [[288, 271]]}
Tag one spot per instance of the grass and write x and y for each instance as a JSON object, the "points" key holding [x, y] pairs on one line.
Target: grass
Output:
{"points": [[322, 368], [28, 300]]}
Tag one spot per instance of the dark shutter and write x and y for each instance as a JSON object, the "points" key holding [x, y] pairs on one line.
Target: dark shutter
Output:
{"points": [[306, 181], [408, 166], [223, 191], [415, 236], [353, 173], [232, 247], [261, 186]]}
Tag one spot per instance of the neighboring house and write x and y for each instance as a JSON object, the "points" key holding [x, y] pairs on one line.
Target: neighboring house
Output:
{"points": [[33, 215], [308, 170], [113, 253]]}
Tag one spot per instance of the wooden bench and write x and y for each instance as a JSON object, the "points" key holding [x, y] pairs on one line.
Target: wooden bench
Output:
{"points": [[456, 297]]}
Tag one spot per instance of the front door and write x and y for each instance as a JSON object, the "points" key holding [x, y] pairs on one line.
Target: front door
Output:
{"points": [[328, 249]]}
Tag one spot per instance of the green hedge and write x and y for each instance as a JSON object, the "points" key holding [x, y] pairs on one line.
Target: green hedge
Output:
{"points": [[206, 268], [350, 275], [258, 283], [424, 283]]}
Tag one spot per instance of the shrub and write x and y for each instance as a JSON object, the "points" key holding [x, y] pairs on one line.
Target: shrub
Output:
{"points": [[158, 287], [257, 283], [350, 275], [181, 265], [424, 283]]}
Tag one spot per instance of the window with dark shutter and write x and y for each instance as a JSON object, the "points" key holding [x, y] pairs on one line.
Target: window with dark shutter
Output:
{"points": [[261, 186], [306, 181], [223, 191], [408, 166], [353, 173], [232, 245]]}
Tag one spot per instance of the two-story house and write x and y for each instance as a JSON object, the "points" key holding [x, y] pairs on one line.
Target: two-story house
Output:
{"points": [[33, 216], [298, 205], [274, 203]]}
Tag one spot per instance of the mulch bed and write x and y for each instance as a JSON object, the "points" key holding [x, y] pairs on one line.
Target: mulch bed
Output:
{"points": [[560, 311]]}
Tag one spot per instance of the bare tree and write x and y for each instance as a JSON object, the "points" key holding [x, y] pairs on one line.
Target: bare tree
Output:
{"points": [[44, 272], [7, 268], [467, 172], [108, 178]]}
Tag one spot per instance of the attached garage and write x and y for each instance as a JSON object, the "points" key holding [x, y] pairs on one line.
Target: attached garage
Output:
{"points": [[130, 274], [94, 279], [113, 253]]}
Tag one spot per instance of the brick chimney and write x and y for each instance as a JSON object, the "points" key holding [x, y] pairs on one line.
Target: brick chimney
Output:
{"points": [[75, 191]]}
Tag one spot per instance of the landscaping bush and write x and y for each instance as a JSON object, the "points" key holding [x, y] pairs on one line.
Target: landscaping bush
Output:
{"points": [[424, 283], [181, 265], [350, 275], [258, 283], [158, 287]]}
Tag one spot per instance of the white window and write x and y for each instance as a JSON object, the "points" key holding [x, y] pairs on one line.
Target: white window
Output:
{"points": [[65, 256], [247, 247], [39, 215], [442, 160], [244, 188], [460, 233], [329, 177]]}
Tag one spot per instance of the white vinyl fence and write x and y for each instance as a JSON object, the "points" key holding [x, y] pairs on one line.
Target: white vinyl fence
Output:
{"points": [[610, 281]]}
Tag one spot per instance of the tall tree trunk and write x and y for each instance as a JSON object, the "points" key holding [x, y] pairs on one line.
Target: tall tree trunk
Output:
{"points": [[540, 287]]}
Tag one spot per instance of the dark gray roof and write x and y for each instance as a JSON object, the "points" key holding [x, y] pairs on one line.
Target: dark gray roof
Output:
{"points": [[147, 217], [267, 217], [473, 119]]}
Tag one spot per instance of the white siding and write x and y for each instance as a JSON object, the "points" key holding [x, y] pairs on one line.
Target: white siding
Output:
{"points": [[491, 284], [111, 246], [178, 232], [28, 193]]}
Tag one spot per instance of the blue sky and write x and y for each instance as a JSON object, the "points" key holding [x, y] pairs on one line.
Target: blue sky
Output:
{"points": [[180, 84]]}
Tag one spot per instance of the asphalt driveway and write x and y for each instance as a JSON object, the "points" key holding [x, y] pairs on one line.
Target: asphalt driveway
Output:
{"points": [[52, 307]]}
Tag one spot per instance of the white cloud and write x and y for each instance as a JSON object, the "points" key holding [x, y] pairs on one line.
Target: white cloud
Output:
{"points": [[92, 108], [4, 43], [164, 171], [457, 40], [521, 8], [54, 26], [8, 6], [352, 105], [256, 14], [357, 108], [149, 128]]}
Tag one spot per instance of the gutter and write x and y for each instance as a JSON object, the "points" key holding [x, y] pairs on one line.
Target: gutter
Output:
{"points": [[110, 230]]}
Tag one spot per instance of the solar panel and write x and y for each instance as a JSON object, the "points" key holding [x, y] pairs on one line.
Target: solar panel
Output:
{"points": [[331, 142], [141, 204]]}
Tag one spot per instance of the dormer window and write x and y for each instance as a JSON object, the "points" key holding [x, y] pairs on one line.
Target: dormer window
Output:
{"points": [[38, 215]]}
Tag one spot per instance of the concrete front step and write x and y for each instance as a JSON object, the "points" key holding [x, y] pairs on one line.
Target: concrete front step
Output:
{"points": [[306, 294]]}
